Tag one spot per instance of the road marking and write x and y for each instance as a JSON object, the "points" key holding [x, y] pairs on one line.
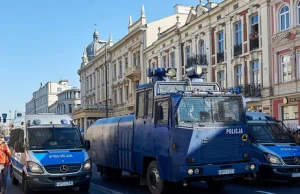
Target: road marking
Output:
{"points": [[104, 189], [265, 192]]}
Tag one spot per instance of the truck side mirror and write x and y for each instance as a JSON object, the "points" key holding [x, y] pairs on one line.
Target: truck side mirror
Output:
{"points": [[87, 144], [18, 147], [160, 113]]}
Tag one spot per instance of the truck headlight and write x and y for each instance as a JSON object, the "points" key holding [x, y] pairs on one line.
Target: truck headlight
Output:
{"points": [[35, 168], [273, 159], [87, 165]]}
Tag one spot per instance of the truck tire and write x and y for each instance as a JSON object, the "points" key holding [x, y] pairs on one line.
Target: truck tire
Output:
{"points": [[216, 185], [14, 181], [25, 187], [155, 184]]}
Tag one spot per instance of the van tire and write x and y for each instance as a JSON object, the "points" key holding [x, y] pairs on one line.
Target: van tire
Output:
{"points": [[155, 184], [85, 188], [14, 181]]}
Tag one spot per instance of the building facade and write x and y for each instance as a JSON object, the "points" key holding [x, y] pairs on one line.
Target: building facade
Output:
{"points": [[66, 102], [226, 40], [285, 34], [45, 96], [126, 68]]}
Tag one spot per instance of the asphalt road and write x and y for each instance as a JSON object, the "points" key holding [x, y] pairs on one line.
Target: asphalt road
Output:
{"points": [[130, 185]]}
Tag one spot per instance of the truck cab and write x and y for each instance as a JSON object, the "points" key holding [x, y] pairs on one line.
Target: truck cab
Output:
{"points": [[48, 153], [274, 147]]}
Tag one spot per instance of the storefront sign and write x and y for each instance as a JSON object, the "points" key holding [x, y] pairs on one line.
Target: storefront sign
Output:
{"points": [[294, 99]]}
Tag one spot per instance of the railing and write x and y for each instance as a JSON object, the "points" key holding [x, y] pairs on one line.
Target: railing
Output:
{"points": [[220, 57], [91, 107], [196, 60], [237, 50], [133, 68], [254, 43], [129, 101], [250, 90]]}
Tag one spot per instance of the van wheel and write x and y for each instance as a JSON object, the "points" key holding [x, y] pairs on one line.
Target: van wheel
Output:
{"points": [[155, 184], [13, 178], [215, 185], [25, 187], [85, 188]]}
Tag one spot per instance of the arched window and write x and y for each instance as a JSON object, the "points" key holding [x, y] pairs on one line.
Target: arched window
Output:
{"points": [[298, 11], [284, 18], [202, 48]]}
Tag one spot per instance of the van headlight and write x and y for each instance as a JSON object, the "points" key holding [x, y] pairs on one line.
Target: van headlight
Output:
{"points": [[34, 167], [87, 165], [273, 159]]}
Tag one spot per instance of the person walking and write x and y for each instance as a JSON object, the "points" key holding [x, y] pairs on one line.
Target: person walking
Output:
{"points": [[4, 163]]}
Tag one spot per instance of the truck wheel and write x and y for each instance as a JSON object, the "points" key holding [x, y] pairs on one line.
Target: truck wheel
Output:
{"points": [[215, 185], [155, 184], [13, 178], [85, 188]]}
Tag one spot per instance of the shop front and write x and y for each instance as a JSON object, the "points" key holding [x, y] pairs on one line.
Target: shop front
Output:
{"points": [[286, 109]]}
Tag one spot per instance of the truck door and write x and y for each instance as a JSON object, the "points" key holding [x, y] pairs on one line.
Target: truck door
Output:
{"points": [[148, 119]]}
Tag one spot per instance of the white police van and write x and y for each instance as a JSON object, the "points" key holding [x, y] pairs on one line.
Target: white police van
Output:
{"points": [[48, 153]]}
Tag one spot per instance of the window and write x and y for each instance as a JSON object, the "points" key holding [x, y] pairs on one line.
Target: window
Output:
{"points": [[255, 78], [149, 102], [126, 63], [187, 53], [164, 59], [134, 59], [78, 94], [172, 59], [140, 104], [221, 79], [202, 48], [238, 71], [221, 42], [254, 24], [115, 70], [121, 95], [238, 34], [153, 65], [139, 59], [286, 68], [120, 67], [59, 89], [115, 97], [284, 18], [127, 92], [161, 112], [290, 112], [70, 108]]}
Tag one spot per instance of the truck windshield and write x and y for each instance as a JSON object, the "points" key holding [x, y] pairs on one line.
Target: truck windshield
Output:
{"points": [[53, 138], [210, 111], [269, 133]]}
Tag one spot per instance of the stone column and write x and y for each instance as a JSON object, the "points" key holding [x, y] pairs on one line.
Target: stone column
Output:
{"points": [[85, 126], [228, 54], [208, 51]]}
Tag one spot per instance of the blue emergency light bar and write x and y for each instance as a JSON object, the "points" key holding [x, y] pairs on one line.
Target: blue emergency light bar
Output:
{"points": [[162, 72], [64, 121], [234, 90], [36, 122], [195, 72]]}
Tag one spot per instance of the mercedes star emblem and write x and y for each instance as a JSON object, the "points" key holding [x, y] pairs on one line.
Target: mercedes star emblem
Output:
{"points": [[297, 160], [63, 168]]}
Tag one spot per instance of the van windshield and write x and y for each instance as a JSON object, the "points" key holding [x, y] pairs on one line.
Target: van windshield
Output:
{"points": [[210, 111], [53, 138], [269, 133]]}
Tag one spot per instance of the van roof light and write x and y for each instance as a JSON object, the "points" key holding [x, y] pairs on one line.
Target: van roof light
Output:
{"points": [[36, 122]]}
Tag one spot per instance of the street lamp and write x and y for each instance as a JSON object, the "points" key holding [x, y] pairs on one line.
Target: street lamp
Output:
{"points": [[106, 102]]}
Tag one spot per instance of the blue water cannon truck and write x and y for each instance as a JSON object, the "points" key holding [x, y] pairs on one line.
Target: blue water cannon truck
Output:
{"points": [[181, 132]]}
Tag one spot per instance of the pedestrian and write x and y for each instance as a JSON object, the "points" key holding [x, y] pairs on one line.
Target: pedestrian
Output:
{"points": [[4, 163]]}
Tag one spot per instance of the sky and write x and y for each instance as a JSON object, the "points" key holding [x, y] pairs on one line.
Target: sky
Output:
{"points": [[42, 40]]}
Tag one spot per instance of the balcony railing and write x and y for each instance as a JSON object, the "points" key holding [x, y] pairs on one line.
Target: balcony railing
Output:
{"points": [[254, 43], [250, 90], [238, 50], [91, 107], [220, 57], [196, 60]]}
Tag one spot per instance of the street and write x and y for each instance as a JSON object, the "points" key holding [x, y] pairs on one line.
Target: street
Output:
{"points": [[130, 185]]}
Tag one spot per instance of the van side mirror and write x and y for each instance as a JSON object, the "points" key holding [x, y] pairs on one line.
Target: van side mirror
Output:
{"points": [[87, 144], [18, 147], [160, 113]]}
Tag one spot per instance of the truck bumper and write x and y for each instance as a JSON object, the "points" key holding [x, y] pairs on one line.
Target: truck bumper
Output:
{"points": [[48, 182], [280, 173], [219, 171]]}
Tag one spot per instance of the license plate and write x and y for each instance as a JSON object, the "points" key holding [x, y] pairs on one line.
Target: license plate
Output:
{"points": [[64, 184], [227, 171], [296, 175]]}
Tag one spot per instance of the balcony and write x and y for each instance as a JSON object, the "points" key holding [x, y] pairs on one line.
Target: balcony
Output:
{"points": [[250, 90], [133, 73], [237, 50], [254, 43], [196, 60], [129, 103], [220, 57]]}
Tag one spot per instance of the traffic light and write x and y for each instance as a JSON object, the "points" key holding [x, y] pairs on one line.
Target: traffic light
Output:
{"points": [[4, 119]]}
